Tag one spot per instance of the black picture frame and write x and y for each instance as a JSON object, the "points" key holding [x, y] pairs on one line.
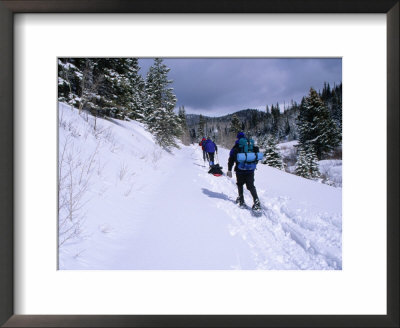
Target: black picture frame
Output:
{"points": [[10, 7]]}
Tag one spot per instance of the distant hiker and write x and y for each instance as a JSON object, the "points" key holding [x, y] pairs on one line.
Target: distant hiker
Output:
{"points": [[210, 147], [244, 168], [201, 143]]}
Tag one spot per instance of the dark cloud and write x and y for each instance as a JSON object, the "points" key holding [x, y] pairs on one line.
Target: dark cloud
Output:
{"points": [[218, 86]]}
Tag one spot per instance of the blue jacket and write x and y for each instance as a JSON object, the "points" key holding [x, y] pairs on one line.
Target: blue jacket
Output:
{"points": [[232, 156], [210, 146]]}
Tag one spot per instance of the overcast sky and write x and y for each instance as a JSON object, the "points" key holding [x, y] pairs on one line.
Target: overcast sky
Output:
{"points": [[222, 86]]}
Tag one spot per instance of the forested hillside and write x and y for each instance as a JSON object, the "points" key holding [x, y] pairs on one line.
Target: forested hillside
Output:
{"points": [[282, 123]]}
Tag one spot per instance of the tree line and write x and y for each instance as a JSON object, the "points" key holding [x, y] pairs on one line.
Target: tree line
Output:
{"points": [[277, 120], [114, 87], [316, 123]]}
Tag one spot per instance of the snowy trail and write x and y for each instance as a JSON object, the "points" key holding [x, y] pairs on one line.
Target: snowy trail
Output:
{"points": [[273, 245], [167, 235], [223, 236], [150, 209], [275, 239], [209, 232]]}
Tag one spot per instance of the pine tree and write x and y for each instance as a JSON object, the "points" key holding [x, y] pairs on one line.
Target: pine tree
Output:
{"points": [[185, 137], [326, 92], [103, 86], [287, 126], [336, 106], [272, 156], [201, 126], [236, 125], [116, 92], [78, 83], [276, 114], [108, 92], [161, 120], [301, 164], [68, 81], [307, 163], [312, 161], [133, 98], [90, 84], [316, 127]]}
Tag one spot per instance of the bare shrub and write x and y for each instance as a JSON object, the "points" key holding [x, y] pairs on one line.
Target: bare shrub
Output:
{"points": [[157, 154], [128, 191], [123, 170], [72, 129], [74, 177], [108, 135]]}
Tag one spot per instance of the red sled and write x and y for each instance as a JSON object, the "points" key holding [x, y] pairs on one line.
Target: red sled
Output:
{"points": [[216, 170]]}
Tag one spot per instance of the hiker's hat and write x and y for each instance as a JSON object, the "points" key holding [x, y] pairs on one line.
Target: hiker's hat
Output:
{"points": [[240, 135]]}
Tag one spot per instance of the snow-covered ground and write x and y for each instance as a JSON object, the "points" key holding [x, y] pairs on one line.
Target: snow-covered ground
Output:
{"points": [[139, 207], [287, 149], [331, 170]]}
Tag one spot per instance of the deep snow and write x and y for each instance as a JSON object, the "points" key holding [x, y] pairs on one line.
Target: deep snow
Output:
{"points": [[141, 207]]}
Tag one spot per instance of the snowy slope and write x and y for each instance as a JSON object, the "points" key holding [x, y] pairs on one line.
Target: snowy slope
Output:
{"points": [[145, 208]]}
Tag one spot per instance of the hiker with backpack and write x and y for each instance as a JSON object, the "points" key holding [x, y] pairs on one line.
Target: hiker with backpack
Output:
{"points": [[245, 165], [210, 148], [201, 143]]}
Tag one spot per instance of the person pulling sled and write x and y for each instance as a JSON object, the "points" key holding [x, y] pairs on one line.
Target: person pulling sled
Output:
{"points": [[245, 155], [210, 148]]}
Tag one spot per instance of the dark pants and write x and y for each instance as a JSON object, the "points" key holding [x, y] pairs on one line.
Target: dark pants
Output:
{"points": [[204, 155], [211, 157], [246, 177]]}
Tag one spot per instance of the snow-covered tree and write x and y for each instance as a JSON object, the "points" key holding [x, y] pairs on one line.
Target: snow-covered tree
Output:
{"points": [[272, 156], [131, 88], [69, 80], [201, 126], [78, 83], [116, 89], [161, 120], [307, 163], [236, 125], [89, 86], [102, 86], [316, 126], [276, 114], [301, 164], [185, 137]]}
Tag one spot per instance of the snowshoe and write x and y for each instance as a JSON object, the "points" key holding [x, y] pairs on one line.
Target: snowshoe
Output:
{"points": [[256, 209], [240, 202], [256, 213]]}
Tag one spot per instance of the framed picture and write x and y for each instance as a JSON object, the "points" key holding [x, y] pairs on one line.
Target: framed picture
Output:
{"points": [[193, 298]]}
